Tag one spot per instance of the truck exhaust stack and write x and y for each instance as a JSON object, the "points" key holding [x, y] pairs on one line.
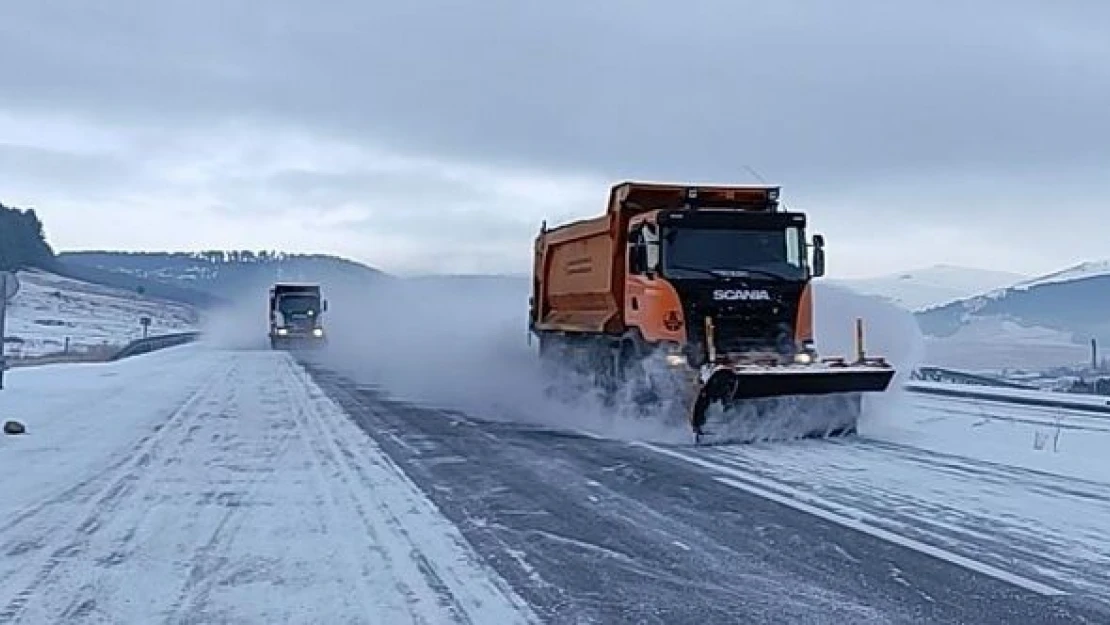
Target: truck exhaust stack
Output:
{"points": [[717, 278]]}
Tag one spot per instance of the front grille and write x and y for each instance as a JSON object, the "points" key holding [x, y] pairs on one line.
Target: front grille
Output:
{"points": [[740, 333], [740, 326]]}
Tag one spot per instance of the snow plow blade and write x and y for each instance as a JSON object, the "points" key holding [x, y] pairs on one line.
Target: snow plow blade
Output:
{"points": [[775, 382], [787, 401]]}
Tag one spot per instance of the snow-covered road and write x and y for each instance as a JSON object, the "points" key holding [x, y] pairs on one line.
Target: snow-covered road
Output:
{"points": [[194, 486], [197, 485], [593, 529], [1041, 531]]}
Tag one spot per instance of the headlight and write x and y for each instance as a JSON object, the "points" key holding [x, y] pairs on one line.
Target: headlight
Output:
{"points": [[803, 358], [676, 360], [318, 332], [282, 331]]}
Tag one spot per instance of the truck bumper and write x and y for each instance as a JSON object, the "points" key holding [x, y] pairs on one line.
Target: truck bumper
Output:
{"points": [[297, 341]]}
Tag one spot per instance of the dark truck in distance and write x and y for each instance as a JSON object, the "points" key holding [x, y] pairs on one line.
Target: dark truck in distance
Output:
{"points": [[296, 312]]}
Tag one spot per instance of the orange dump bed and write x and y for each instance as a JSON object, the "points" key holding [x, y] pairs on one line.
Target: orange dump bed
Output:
{"points": [[579, 271], [579, 277]]}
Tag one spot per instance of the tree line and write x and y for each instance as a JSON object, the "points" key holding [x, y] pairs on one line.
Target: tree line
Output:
{"points": [[23, 241], [214, 257]]}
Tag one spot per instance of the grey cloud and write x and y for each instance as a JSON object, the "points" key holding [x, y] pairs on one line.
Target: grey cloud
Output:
{"points": [[809, 93], [372, 187], [96, 174]]}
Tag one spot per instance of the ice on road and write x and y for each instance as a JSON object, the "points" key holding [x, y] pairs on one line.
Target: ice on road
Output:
{"points": [[195, 485]]}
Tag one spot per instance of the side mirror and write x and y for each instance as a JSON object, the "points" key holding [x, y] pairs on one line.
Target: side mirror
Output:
{"points": [[651, 258], [637, 259], [325, 305], [818, 262], [818, 241], [635, 250]]}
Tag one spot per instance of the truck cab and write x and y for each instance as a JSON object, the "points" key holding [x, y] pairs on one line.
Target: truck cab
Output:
{"points": [[296, 315], [724, 274]]}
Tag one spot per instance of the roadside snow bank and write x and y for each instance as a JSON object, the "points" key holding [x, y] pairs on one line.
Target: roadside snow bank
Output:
{"points": [[1065, 442], [79, 415]]}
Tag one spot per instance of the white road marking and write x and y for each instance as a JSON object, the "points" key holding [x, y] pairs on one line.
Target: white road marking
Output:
{"points": [[847, 517]]}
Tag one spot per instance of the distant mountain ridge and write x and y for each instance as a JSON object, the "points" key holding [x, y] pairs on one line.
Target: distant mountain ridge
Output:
{"points": [[1080, 306], [927, 287], [150, 288], [1002, 319], [1075, 272], [221, 274]]}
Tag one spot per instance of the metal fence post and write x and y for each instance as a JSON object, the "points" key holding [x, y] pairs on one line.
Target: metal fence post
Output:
{"points": [[4, 294]]}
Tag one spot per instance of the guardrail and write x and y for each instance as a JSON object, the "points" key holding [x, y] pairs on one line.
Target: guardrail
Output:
{"points": [[154, 343], [1042, 399], [134, 348], [942, 374]]}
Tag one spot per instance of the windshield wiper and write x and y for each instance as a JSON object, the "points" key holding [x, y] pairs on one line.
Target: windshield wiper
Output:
{"points": [[760, 272], [708, 272], [728, 273]]}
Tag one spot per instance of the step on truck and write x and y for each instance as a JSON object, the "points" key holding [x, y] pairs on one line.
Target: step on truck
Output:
{"points": [[711, 283], [296, 316]]}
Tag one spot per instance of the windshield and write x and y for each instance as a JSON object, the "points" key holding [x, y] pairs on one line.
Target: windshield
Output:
{"points": [[298, 305], [692, 252]]}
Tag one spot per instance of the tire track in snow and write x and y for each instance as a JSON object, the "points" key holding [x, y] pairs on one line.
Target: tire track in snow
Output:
{"points": [[85, 489], [212, 555], [256, 500], [65, 537], [355, 479]]}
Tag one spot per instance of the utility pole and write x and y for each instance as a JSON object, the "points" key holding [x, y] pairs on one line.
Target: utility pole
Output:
{"points": [[3, 313], [9, 286]]}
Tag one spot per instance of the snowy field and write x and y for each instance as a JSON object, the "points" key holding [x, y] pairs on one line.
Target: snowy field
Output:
{"points": [[993, 344], [1069, 443], [50, 309], [196, 485]]}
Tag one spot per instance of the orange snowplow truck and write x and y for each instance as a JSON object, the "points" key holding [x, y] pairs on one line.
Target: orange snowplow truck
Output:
{"points": [[714, 281]]}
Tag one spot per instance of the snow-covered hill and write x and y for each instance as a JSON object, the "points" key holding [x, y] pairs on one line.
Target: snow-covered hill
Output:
{"points": [[50, 309], [1036, 323], [1077, 272], [222, 274], [932, 286]]}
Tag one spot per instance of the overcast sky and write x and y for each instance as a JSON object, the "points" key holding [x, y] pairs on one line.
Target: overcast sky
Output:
{"points": [[435, 136]]}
